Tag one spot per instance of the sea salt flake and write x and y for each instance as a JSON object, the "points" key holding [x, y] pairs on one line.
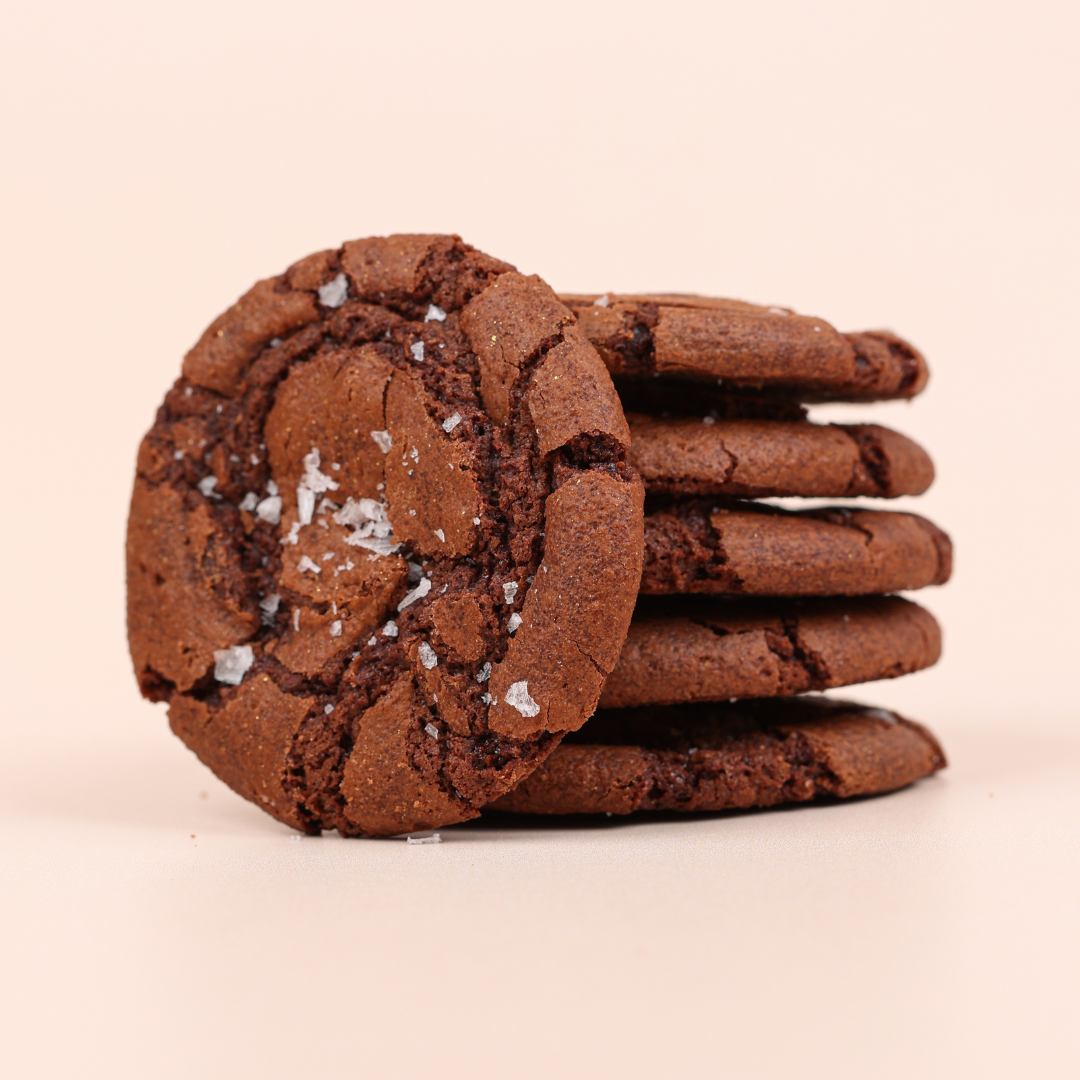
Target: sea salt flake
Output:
{"points": [[336, 466], [417, 350], [476, 521], [249, 501], [484, 673], [487, 699], [335, 628], [382, 440], [427, 655], [269, 605], [328, 709], [510, 591], [518, 697], [602, 301], [187, 392], [296, 619], [373, 641], [434, 838], [308, 564], [275, 342], [272, 488], [432, 730], [708, 419], [513, 623], [778, 311], [305, 504], [414, 454], [435, 314], [253, 459], [440, 534], [334, 293], [231, 665], [327, 556], [269, 509], [451, 422], [390, 630], [178, 454], [294, 533], [413, 595], [206, 485]]}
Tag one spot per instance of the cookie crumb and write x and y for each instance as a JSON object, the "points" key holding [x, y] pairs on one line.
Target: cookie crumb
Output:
{"points": [[231, 665], [518, 697]]}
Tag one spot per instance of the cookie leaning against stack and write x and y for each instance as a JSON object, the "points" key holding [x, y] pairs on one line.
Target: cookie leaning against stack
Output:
{"points": [[384, 544], [796, 600]]}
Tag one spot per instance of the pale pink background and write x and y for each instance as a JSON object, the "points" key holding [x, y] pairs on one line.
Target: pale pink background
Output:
{"points": [[910, 165]]}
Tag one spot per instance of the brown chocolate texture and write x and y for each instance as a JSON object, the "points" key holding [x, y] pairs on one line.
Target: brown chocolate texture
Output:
{"points": [[746, 347], [726, 757], [390, 492], [756, 458], [698, 546], [684, 649]]}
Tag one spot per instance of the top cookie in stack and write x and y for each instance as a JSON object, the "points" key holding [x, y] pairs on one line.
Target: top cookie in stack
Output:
{"points": [[714, 393]]}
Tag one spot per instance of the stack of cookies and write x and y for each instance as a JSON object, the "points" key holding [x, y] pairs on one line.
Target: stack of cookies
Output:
{"points": [[391, 524], [743, 604]]}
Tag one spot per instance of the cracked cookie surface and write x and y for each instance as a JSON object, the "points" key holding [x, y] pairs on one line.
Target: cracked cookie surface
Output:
{"points": [[384, 542]]}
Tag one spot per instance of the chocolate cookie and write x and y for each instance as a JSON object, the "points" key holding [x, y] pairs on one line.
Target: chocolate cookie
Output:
{"points": [[698, 546], [690, 648], [760, 458], [746, 346], [727, 757], [384, 544]]}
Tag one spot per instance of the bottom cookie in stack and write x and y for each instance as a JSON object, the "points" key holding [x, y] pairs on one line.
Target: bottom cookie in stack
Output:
{"points": [[737, 755]]}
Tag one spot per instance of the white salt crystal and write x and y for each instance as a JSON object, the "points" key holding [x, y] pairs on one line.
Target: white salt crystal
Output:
{"points": [[269, 509], [420, 591], [486, 699], [296, 619], [513, 623], [249, 501], [778, 311], [308, 564], [432, 730], [328, 709], [417, 350], [434, 838], [435, 314], [334, 293], [602, 301], [390, 629], [451, 422], [476, 521], [268, 605], [441, 535], [254, 460], [518, 696], [510, 591], [206, 485], [294, 532], [881, 714], [708, 420], [373, 641], [271, 488], [231, 665], [178, 454], [484, 673], [335, 628], [427, 655], [305, 504], [382, 440]]}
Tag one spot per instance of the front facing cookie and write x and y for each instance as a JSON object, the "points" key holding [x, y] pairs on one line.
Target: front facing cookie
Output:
{"points": [[384, 544]]}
